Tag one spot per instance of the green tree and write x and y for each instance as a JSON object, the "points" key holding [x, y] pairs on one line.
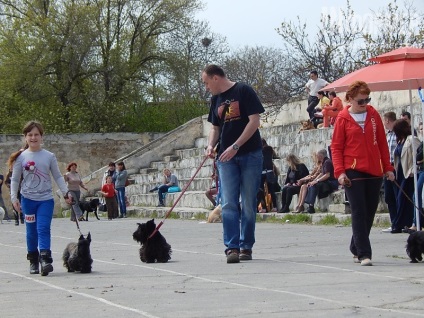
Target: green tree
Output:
{"points": [[79, 65]]}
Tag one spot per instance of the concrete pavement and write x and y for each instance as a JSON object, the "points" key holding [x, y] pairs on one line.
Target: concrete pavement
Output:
{"points": [[297, 271]]}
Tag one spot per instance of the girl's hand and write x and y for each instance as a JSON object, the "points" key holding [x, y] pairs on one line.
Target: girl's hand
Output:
{"points": [[17, 206]]}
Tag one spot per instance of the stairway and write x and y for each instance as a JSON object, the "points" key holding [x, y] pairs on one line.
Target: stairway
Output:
{"points": [[184, 162]]}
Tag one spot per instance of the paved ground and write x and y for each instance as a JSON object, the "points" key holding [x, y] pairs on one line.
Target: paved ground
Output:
{"points": [[297, 271]]}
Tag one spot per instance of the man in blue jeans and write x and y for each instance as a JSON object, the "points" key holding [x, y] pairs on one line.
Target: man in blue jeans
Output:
{"points": [[234, 115]]}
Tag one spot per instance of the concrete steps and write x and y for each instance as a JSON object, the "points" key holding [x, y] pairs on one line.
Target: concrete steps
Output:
{"points": [[202, 214]]}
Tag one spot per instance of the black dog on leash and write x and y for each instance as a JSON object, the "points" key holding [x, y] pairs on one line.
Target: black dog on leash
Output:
{"points": [[152, 249], [90, 206], [77, 256], [415, 246]]}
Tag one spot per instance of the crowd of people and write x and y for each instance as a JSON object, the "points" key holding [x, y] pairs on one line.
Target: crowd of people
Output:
{"points": [[366, 152]]}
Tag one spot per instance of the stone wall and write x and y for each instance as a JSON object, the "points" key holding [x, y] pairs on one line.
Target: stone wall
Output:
{"points": [[89, 151]]}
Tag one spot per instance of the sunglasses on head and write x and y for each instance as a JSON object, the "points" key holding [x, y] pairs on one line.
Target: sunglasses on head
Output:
{"points": [[363, 101]]}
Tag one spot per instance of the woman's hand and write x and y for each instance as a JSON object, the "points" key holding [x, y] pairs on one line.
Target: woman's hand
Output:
{"points": [[344, 180], [390, 175]]}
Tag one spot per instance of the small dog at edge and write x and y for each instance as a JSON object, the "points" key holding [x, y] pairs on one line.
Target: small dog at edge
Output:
{"points": [[306, 125], [154, 249], [415, 246], [76, 256]]}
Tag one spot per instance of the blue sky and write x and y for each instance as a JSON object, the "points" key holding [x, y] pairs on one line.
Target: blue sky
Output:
{"points": [[252, 22]]}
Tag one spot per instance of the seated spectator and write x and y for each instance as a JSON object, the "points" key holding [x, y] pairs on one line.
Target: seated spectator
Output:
{"points": [[304, 182], [296, 171], [170, 184], [269, 178], [331, 110], [324, 184]]}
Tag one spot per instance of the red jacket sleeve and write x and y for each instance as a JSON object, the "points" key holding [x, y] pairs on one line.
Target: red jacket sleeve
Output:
{"points": [[337, 147]]}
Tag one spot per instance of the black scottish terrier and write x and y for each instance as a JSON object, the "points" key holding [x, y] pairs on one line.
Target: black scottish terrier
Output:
{"points": [[415, 246], [154, 249], [77, 257], [90, 206]]}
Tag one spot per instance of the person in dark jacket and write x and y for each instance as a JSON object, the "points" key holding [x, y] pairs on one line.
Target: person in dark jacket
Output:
{"points": [[297, 170], [269, 177]]}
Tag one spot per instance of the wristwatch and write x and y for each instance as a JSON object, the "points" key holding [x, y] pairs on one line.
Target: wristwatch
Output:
{"points": [[236, 147]]}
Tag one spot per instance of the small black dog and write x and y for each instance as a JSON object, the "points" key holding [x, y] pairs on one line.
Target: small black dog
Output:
{"points": [[152, 249], [77, 257], [415, 246], [90, 206]]}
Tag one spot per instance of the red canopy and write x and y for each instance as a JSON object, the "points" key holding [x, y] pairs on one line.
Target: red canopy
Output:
{"points": [[400, 69]]}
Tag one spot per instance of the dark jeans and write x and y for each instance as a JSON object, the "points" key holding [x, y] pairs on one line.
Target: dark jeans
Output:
{"points": [[161, 190], [287, 193], [390, 194], [312, 102], [363, 197], [404, 208], [314, 190]]}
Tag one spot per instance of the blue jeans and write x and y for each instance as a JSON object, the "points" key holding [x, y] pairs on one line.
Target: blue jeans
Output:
{"points": [[121, 200], [38, 220], [240, 177], [161, 190]]}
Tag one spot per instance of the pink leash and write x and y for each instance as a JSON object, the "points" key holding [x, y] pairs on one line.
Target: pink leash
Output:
{"points": [[179, 197]]}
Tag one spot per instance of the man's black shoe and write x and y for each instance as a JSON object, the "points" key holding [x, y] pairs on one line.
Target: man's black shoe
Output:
{"points": [[311, 209], [154, 189]]}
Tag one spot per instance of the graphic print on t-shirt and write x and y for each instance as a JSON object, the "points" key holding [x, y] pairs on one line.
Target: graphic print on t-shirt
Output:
{"points": [[233, 112]]}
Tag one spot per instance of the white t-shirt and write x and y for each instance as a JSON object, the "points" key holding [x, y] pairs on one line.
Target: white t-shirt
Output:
{"points": [[315, 86]]}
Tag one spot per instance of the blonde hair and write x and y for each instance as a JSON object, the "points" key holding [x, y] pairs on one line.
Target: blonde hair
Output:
{"points": [[293, 161]]}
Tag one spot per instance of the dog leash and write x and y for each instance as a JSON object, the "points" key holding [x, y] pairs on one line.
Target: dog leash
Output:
{"points": [[349, 183], [73, 211], [178, 199]]}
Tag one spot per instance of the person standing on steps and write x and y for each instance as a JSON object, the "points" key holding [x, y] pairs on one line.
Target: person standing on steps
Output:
{"points": [[235, 117]]}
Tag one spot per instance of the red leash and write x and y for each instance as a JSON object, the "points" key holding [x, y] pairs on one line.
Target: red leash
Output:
{"points": [[179, 197]]}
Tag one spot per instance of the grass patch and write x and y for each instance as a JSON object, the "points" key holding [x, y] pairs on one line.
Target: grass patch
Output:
{"points": [[154, 215], [174, 216], [200, 216], [297, 218], [329, 219]]}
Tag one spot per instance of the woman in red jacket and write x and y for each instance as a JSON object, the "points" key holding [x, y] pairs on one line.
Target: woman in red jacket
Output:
{"points": [[361, 157]]}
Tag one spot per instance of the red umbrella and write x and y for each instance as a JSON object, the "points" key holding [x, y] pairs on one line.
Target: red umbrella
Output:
{"points": [[401, 69]]}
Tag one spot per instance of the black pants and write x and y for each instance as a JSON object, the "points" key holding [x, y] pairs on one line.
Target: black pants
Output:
{"points": [[312, 102], [287, 193], [390, 194], [363, 197]]}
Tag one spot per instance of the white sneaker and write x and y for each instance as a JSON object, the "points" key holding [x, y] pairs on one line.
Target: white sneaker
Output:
{"points": [[366, 262], [388, 230]]}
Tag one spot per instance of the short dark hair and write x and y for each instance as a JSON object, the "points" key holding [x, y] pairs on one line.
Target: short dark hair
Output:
{"points": [[111, 164], [332, 93], [391, 116], [407, 114], [314, 72], [121, 163], [213, 69]]}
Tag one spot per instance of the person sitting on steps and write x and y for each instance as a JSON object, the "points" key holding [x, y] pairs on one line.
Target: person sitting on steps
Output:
{"points": [[303, 183], [297, 170], [170, 182], [324, 184]]}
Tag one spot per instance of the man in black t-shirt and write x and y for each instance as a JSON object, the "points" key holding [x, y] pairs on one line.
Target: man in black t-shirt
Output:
{"points": [[235, 119]]}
